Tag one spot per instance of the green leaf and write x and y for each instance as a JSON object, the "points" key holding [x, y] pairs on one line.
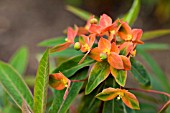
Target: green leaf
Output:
{"points": [[71, 66], [160, 76], [41, 84], [79, 12], [154, 34], [66, 53], [14, 85], [90, 104], [20, 60], [120, 76], [132, 14], [61, 106], [52, 42], [99, 72], [140, 73], [153, 46]]}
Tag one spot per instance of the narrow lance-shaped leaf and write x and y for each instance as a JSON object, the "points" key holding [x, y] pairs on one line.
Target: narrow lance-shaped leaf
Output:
{"points": [[132, 14], [79, 12], [61, 106], [140, 73], [71, 66], [90, 104], [160, 75], [99, 72], [41, 84], [20, 59], [52, 42], [153, 46], [154, 34], [14, 85]]}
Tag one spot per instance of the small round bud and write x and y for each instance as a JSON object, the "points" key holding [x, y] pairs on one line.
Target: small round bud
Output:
{"points": [[93, 21], [77, 46], [66, 39], [103, 56]]}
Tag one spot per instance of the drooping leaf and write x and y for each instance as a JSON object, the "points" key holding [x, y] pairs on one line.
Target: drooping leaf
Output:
{"points": [[154, 34], [130, 100], [153, 46], [71, 66], [140, 73], [160, 75], [52, 42], [41, 84], [119, 75], [79, 12], [132, 14], [20, 59], [99, 72], [61, 106], [14, 85]]}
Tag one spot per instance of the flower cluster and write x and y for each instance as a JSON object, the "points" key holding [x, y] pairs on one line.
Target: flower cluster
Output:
{"points": [[104, 40]]}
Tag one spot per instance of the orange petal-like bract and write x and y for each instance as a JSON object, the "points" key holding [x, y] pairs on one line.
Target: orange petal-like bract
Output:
{"points": [[115, 61], [128, 98]]}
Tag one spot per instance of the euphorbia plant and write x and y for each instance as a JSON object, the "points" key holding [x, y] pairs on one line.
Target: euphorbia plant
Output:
{"points": [[102, 55], [116, 43]]}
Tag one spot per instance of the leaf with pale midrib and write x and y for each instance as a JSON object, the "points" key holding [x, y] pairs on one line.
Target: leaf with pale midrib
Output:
{"points": [[41, 84], [14, 85]]}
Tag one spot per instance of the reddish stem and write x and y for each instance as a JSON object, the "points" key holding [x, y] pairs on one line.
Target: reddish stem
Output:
{"points": [[164, 106], [150, 91], [79, 80]]}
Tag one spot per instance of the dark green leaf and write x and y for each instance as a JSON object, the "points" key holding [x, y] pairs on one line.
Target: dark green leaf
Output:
{"points": [[41, 84], [160, 75], [52, 42], [20, 60], [14, 85], [89, 103], [153, 46], [140, 73], [61, 106], [71, 66], [99, 72], [154, 34], [132, 14], [79, 12]]}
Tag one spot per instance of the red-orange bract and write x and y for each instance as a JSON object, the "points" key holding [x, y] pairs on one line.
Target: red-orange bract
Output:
{"points": [[58, 81], [107, 42], [128, 98]]}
